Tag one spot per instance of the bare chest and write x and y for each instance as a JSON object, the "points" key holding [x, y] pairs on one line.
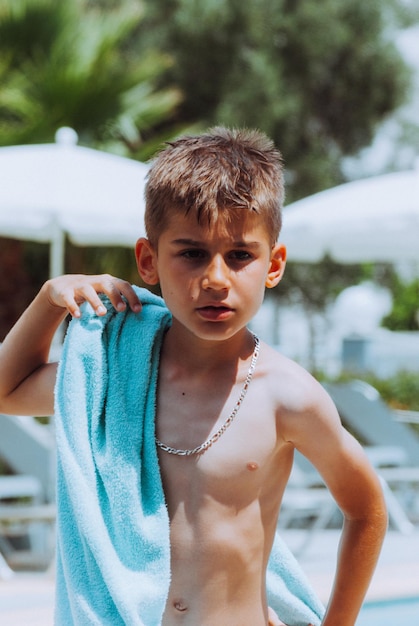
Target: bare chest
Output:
{"points": [[241, 460]]}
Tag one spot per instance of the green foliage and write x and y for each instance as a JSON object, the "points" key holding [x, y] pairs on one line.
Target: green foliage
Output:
{"points": [[316, 76], [69, 64], [400, 391], [405, 312]]}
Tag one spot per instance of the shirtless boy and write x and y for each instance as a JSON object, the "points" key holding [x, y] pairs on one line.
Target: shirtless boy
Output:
{"points": [[213, 219]]}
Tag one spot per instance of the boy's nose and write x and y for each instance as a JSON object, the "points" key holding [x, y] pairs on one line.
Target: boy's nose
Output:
{"points": [[216, 274]]}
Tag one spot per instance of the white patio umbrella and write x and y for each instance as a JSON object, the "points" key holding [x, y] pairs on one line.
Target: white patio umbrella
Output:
{"points": [[50, 190], [369, 220]]}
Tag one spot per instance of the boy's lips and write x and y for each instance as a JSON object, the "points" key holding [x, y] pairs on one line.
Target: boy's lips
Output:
{"points": [[214, 312]]}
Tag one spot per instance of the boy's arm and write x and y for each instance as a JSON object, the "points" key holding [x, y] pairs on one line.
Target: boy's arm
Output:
{"points": [[27, 380], [342, 463]]}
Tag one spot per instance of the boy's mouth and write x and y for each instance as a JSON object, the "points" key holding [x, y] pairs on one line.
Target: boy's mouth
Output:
{"points": [[214, 313]]}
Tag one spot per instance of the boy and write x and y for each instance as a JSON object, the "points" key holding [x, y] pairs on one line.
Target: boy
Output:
{"points": [[229, 410]]}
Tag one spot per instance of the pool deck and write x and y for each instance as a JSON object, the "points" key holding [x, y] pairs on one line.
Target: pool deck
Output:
{"points": [[27, 598], [396, 576]]}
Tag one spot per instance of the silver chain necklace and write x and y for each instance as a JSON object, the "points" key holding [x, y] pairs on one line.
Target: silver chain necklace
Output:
{"points": [[209, 442]]}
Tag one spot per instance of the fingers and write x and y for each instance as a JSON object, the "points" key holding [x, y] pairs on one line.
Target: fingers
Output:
{"points": [[71, 291], [120, 293], [86, 293]]}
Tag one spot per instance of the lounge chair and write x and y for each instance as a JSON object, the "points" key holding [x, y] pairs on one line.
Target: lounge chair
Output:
{"points": [[28, 447], [27, 509], [393, 446], [363, 411]]}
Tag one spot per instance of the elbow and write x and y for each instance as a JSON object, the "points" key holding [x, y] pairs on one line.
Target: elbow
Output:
{"points": [[370, 510], [379, 521], [379, 513], [372, 518]]}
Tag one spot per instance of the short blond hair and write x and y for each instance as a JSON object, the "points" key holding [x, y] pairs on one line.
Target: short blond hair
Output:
{"points": [[212, 173]]}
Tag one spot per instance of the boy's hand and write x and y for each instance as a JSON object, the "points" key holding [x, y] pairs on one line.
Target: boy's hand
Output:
{"points": [[70, 291]]}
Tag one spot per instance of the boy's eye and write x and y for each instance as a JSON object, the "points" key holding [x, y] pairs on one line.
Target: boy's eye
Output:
{"points": [[193, 253], [240, 255]]}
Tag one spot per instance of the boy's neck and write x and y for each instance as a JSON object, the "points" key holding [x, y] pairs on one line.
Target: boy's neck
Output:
{"points": [[196, 353]]}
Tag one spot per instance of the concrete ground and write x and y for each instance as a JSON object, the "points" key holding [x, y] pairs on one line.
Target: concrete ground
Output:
{"points": [[27, 599]]}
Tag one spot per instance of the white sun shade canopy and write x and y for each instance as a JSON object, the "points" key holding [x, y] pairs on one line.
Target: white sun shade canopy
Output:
{"points": [[48, 191], [368, 220]]}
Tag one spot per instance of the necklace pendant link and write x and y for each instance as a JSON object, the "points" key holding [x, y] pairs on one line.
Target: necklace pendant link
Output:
{"points": [[208, 443]]}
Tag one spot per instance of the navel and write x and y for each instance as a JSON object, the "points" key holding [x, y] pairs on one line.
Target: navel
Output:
{"points": [[252, 466], [179, 605]]}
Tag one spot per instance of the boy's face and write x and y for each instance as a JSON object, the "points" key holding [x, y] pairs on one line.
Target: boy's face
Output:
{"points": [[212, 279]]}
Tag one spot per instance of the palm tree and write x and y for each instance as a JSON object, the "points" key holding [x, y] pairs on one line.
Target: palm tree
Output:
{"points": [[69, 63]]}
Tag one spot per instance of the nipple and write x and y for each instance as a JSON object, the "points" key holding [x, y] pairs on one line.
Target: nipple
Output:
{"points": [[252, 466]]}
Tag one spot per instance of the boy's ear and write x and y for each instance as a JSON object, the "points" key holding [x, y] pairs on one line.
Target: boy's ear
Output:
{"points": [[146, 258], [277, 265]]}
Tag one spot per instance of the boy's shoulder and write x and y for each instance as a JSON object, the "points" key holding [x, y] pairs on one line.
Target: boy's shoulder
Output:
{"points": [[294, 388], [302, 407]]}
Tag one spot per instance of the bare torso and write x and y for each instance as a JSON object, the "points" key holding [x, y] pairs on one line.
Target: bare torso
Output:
{"points": [[223, 504]]}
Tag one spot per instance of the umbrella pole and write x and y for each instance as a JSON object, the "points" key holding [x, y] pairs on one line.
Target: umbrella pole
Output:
{"points": [[57, 268], [57, 251]]}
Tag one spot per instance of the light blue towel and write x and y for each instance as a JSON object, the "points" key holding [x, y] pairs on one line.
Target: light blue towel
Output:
{"points": [[113, 547]]}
